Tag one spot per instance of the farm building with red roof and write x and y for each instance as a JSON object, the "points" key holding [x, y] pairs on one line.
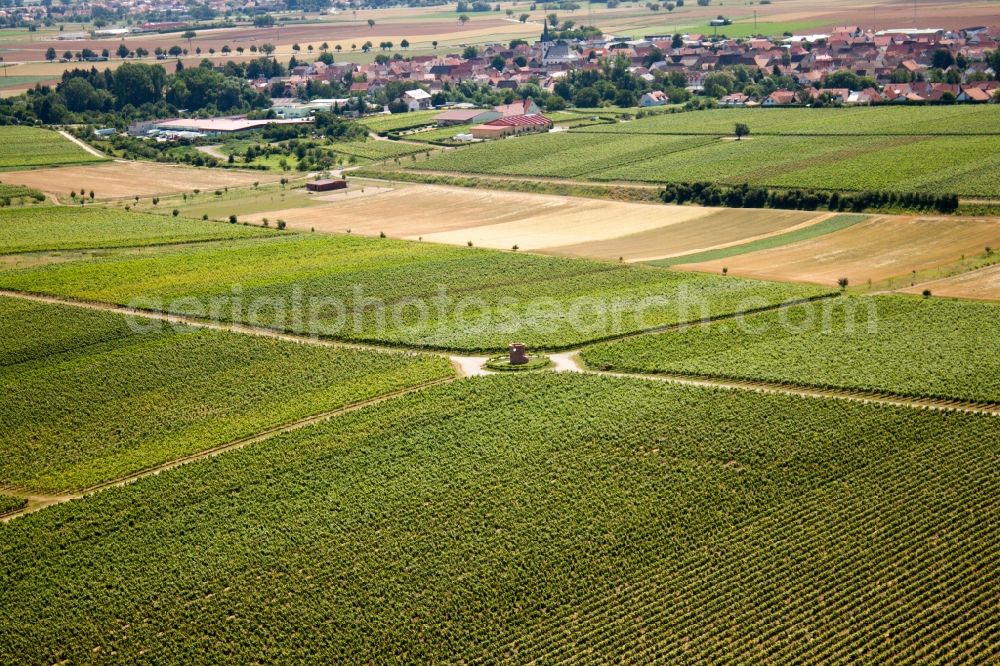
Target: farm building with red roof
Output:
{"points": [[511, 125]]}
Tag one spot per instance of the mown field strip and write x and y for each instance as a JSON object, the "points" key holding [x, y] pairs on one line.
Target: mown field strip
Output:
{"points": [[37, 502]]}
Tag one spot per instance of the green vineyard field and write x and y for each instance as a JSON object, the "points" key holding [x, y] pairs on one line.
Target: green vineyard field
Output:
{"points": [[964, 165], [429, 296], [98, 398], [895, 344], [22, 147], [11, 194], [377, 150], [558, 155], [605, 520], [399, 121], [8, 504], [79, 227]]}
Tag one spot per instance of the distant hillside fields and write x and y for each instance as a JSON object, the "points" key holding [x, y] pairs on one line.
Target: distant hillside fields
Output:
{"points": [[953, 149], [955, 119], [425, 295], [22, 147], [531, 519]]}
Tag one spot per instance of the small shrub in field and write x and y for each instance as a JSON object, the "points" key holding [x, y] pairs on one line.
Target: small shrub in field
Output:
{"points": [[282, 224], [204, 216], [175, 212], [232, 219]]}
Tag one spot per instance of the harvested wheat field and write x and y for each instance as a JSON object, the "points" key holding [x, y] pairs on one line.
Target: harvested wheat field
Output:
{"points": [[982, 284], [720, 229], [876, 249], [534, 221], [117, 180], [488, 218]]}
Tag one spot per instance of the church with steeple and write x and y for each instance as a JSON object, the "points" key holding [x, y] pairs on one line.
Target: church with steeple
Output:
{"points": [[545, 33]]}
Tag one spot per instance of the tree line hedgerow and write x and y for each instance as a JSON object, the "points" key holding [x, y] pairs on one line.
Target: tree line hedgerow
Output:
{"points": [[749, 196]]}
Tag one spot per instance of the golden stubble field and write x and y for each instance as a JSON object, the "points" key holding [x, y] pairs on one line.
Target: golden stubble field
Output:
{"points": [[885, 246], [487, 218], [982, 284], [120, 179], [881, 248]]}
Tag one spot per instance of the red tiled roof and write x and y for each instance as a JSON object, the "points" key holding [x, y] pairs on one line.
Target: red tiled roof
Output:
{"points": [[509, 121]]}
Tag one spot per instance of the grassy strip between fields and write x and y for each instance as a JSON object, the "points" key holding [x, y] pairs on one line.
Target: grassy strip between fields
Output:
{"points": [[835, 223]]}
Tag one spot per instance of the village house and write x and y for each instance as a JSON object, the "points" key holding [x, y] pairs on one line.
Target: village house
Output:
{"points": [[416, 99], [653, 98]]}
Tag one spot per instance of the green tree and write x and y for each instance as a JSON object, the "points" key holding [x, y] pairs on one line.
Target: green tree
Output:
{"points": [[626, 98], [942, 59], [741, 130], [555, 103], [79, 94], [138, 84], [50, 54], [587, 98]]}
